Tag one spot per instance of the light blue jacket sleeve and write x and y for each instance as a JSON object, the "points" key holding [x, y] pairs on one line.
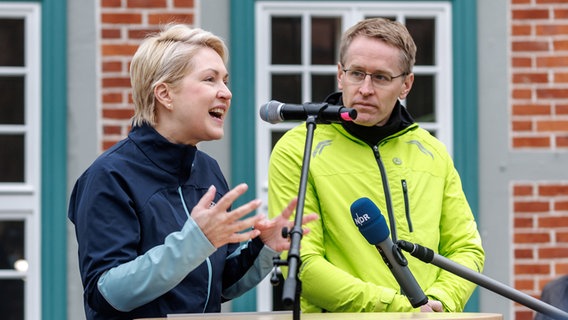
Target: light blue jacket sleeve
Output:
{"points": [[262, 266], [135, 283]]}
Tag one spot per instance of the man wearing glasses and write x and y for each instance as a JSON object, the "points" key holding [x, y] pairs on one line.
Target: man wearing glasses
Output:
{"points": [[385, 156]]}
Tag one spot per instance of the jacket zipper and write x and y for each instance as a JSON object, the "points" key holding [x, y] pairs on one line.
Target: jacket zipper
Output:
{"points": [[208, 261], [406, 204], [386, 190]]}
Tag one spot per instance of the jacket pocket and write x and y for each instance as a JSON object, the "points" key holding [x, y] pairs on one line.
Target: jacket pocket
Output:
{"points": [[406, 204]]}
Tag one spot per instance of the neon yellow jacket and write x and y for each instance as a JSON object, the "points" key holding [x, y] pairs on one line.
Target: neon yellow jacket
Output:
{"points": [[340, 270]]}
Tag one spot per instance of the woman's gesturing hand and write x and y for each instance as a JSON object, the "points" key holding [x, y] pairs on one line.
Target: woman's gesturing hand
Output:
{"points": [[221, 226]]}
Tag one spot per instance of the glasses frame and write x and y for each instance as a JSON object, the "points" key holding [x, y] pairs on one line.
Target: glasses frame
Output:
{"points": [[389, 81]]}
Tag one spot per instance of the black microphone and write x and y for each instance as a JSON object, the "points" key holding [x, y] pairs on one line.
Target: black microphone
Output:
{"points": [[429, 256], [373, 226], [275, 112]]}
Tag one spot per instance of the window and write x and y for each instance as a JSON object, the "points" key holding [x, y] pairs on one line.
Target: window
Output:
{"points": [[296, 62], [20, 160]]}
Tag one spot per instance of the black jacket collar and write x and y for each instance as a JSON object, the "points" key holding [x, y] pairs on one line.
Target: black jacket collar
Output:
{"points": [[398, 121], [176, 159]]}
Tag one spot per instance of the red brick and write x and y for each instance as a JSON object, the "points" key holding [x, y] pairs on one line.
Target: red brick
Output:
{"points": [[551, 30], [532, 269], [146, 4], [562, 109], [525, 314], [552, 125], [540, 237], [118, 49], [107, 33], [552, 93], [552, 253], [552, 61], [112, 97], [112, 130], [561, 237], [553, 190], [530, 14], [560, 13], [522, 125], [527, 46], [531, 206], [561, 268], [522, 94], [116, 82], [522, 222], [163, 18], [531, 110], [521, 30], [540, 77], [183, 3], [121, 18], [561, 77], [522, 62], [562, 141], [552, 222], [561, 205], [522, 190], [110, 3], [532, 142], [118, 113], [524, 284], [140, 33], [560, 45], [524, 254], [112, 66]]}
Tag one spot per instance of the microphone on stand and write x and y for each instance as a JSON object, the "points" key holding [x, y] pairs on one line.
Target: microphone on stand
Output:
{"points": [[275, 112], [373, 226], [429, 256]]}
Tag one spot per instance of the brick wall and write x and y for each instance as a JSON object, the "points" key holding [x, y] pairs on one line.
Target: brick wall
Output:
{"points": [[539, 122], [123, 24], [539, 68]]}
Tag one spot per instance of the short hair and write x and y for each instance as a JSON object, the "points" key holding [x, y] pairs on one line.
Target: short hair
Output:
{"points": [[390, 32], [166, 57]]}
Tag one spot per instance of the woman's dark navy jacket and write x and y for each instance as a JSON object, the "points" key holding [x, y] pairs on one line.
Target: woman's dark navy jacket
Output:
{"points": [[140, 253]]}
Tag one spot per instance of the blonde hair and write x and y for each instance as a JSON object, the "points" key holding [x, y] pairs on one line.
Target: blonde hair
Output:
{"points": [[390, 32], [166, 57]]}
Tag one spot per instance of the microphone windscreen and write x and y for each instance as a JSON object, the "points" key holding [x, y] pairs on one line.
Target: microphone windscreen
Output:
{"points": [[368, 218], [270, 111]]}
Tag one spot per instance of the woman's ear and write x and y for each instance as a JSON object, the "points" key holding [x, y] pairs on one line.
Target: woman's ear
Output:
{"points": [[162, 94]]}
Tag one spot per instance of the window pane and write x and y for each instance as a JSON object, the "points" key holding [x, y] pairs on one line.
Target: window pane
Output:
{"points": [[12, 158], [12, 42], [11, 243], [11, 100], [420, 102], [386, 17], [287, 88], [322, 86], [286, 40], [326, 33], [423, 32], [12, 302], [276, 135]]}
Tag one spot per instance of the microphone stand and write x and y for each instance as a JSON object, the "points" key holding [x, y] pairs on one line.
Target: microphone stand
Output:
{"points": [[292, 285], [427, 255]]}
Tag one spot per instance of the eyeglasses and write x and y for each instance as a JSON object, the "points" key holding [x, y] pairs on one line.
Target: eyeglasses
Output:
{"points": [[378, 79]]}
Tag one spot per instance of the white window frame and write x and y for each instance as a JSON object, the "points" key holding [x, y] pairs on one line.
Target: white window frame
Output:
{"points": [[22, 201], [350, 12]]}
